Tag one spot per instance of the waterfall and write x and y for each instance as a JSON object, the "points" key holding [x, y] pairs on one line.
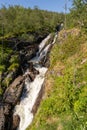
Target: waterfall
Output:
{"points": [[24, 109]]}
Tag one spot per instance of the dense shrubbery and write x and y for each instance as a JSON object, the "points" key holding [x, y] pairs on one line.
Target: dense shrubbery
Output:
{"points": [[77, 16], [19, 21], [9, 62], [4, 53]]}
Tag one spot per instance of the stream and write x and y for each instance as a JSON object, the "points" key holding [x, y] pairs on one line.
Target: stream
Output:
{"points": [[28, 99]]}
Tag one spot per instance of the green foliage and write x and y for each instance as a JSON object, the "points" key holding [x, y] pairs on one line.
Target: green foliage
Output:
{"points": [[14, 59], [2, 68], [54, 55], [65, 105], [77, 16], [13, 67], [1, 91], [7, 81], [70, 46], [28, 37], [81, 104], [14, 63], [18, 20]]}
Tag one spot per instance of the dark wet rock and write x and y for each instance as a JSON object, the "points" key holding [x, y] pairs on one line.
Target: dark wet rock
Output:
{"points": [[31, 75], [15, 122], [5, 116], [10, 98], [35, 72], [13, 92], [47, 63], [31, 72], [30, 52], [26, 54], [1, 98], [2, 117]]}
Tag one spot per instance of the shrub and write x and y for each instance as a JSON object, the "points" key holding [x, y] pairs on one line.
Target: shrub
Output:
{"points": [[13, 67]]}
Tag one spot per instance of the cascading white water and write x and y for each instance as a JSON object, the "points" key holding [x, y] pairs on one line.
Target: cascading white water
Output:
{"points": [[42, 44], [24, 109]]}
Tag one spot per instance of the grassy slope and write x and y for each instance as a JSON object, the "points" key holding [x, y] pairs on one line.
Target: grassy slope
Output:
{"points": [[64, 106]]}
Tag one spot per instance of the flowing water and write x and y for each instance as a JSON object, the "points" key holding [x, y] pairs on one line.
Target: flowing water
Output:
{"points": [[24, 109]]}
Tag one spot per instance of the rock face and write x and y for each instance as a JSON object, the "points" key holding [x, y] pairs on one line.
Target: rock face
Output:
{"points": [[15, 122], [7, 122], [31, 72], [2, 118], [13, 92], [10, 99], [26, 53]]}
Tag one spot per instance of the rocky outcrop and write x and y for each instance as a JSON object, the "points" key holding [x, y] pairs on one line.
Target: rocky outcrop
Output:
{"points": [[31, 72], [10, 99], [7, 122], [27, 53], [15, 122], [2, 118], [13, 92]]}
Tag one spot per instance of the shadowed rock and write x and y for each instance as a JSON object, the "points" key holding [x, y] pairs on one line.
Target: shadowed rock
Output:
{"points": [[2, 118]]}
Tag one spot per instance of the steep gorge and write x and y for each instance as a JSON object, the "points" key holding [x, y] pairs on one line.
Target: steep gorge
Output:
{"points": [[27, 85]]}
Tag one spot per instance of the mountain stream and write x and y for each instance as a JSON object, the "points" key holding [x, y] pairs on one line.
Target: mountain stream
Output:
{"points": [[28, 99]]}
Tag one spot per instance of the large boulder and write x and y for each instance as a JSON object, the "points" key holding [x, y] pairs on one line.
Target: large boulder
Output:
{"points": [[31, 72], [13, 92], [5, 116]]}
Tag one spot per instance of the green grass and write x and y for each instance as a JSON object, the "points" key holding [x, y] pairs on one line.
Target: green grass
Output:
{"points": [[65, 105]]}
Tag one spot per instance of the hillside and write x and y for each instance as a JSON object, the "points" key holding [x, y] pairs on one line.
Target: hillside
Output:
{"points": [[64, 104], [40, 80], [22, 29]]}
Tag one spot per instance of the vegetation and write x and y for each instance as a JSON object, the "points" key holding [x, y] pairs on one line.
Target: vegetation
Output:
{"points": [[64, 106], [23, 24], [77, 16], [19, 21]]}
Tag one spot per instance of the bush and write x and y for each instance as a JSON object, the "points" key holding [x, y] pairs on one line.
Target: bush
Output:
{"points": [[2, 68], [13, 67]]}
